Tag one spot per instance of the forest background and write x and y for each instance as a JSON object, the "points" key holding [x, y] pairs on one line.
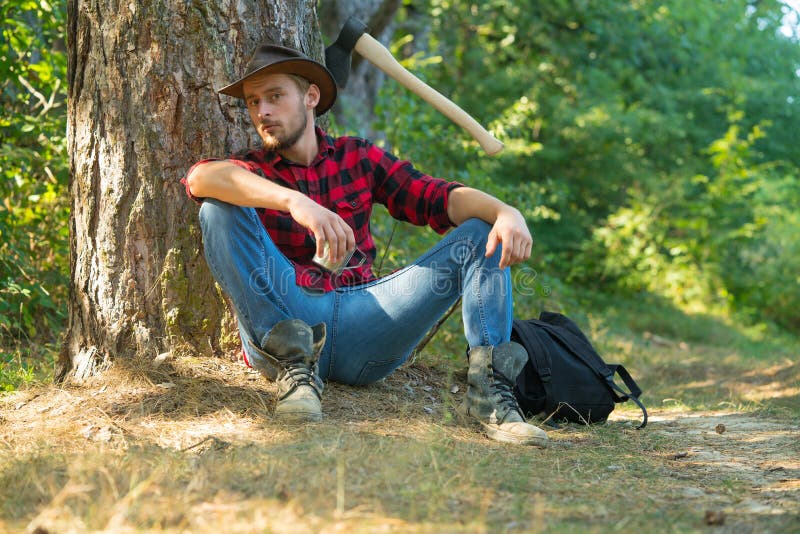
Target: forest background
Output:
{"points": [[650, 145]]}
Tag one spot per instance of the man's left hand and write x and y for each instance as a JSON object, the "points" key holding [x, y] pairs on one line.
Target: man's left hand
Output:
{"points": [[512, 232]]}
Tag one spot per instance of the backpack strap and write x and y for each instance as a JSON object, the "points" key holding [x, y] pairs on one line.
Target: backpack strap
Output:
{"points": [[581, 348], [627, 379], [589, 356], [541, 359], [634, 392]]}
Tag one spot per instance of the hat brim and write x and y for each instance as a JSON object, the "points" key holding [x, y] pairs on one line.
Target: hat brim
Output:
{"points": [[310, 70]]}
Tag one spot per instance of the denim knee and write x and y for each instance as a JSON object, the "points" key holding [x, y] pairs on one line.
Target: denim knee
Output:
{"points": [[476, 228], [217, 215], [476, 233]]}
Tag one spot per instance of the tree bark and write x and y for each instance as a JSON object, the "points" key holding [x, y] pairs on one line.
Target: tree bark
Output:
{"points": [[142, 109]]}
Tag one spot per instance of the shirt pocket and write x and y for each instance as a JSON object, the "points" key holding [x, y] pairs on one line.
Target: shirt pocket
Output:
{"points": [[356, 209]]}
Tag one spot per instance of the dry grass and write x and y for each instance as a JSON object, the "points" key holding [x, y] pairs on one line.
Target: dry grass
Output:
{"points": [[189, 446]]}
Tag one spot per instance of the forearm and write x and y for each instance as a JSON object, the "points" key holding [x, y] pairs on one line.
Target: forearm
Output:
{"points": [[230, 183], [467, 203], [508, 224]]}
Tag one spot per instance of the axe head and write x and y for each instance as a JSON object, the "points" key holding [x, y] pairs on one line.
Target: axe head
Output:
{"points": [[337, 55]]}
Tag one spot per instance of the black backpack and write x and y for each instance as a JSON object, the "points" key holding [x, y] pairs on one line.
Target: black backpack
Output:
{"points": [[565, 378]]}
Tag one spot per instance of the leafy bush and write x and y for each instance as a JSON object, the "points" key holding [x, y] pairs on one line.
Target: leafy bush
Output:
{"points": [[762, 263], [33, 171], [623, 124], [726, 238]]}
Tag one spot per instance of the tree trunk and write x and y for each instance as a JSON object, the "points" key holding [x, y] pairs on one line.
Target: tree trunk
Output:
{"points": [[142, 108]]}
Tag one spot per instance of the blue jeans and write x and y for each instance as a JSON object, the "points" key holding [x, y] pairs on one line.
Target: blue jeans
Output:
{"points": [[372, 328]]}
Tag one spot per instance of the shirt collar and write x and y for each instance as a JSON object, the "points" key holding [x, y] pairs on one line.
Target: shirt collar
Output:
{"points": [[325, 144]]}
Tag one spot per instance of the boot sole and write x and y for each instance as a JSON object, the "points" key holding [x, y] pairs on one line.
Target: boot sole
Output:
{"points": [[498, 435], [298, 417]]}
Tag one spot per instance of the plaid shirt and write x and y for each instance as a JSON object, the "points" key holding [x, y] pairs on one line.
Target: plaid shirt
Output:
{"points": [[348, 175]]}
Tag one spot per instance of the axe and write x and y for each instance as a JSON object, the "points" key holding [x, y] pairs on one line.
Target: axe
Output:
{"points": [[354, 36]]}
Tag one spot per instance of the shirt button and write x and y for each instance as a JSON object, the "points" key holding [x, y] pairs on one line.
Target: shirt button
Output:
{"points": [[354, 203]]}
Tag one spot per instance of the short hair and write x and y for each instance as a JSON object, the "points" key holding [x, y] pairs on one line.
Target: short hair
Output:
{"points": [[300, 82]]}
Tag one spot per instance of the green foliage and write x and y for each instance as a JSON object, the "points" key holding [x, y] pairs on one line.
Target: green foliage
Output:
{"points": [[33, 171], [623, 123], [765, 277], [25, 365], [751, 230], [728, 237]]}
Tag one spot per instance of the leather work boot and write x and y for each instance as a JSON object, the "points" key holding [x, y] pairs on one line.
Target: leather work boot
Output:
{"points": [[290, 352], [490, 398]]}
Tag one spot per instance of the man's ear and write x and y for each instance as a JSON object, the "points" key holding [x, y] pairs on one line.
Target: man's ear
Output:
{"points": [[312, 96]]}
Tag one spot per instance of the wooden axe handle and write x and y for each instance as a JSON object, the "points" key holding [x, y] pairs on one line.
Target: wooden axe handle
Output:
{"points": [[378, 55]]}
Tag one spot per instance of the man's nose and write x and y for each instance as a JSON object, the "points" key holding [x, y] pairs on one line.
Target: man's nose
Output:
{"points": [[264, 110]]}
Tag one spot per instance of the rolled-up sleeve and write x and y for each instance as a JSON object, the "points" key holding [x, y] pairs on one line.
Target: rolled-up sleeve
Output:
{"points": [[185, 179], [409, 194]]}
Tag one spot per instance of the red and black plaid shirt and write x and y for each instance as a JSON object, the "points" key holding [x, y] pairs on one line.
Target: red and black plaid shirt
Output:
{"points": [[348, 175]]}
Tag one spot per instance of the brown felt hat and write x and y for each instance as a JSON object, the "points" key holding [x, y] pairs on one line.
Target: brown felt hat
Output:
{"points": [[269, 58]]}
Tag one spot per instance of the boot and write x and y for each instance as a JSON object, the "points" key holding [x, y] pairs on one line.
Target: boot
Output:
{"points": [[490, 398], [290, 352]]}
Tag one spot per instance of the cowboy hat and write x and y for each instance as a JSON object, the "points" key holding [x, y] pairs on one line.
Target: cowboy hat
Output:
{"points": [[269, 58]]}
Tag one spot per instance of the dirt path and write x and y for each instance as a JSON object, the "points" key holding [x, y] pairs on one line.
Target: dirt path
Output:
{"points": [[736, 469], [713, 449]]}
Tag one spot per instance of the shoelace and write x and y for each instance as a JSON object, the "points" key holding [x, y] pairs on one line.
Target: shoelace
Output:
{"points": [[298, 373], [505, 388]]}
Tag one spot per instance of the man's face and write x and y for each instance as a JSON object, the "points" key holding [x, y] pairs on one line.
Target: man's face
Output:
{"points": [[278, 109]]}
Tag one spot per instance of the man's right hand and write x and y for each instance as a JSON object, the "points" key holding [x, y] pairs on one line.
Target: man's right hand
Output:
{"points": [[326, 226]]}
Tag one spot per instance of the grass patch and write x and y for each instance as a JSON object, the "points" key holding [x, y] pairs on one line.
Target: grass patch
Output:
{"points": [[431, 479], [22, 364], [190, 445]]}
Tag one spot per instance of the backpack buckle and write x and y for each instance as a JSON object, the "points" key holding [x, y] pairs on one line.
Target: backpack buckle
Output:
{"points": [[544, 374]]}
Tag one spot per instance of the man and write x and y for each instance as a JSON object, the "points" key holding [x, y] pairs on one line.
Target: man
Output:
{"points": [[267, 213]]}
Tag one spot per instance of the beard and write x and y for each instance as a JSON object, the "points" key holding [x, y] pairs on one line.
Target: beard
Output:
{"points": [[292, 131]]}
